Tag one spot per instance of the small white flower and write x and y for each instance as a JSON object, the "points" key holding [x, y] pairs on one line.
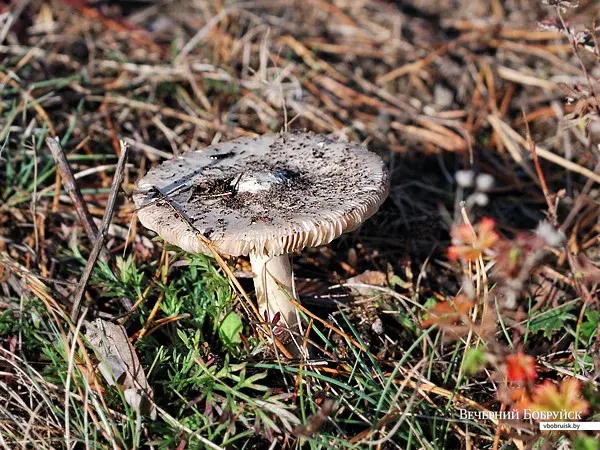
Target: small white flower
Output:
{"points": [[377, 326], [479, 199], [510, 302], [467, 287], [550, 235], [464, 178], [484, 182]]}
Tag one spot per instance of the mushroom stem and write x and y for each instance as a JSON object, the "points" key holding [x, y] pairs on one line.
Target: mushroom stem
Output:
{"points": [[273, 283]]}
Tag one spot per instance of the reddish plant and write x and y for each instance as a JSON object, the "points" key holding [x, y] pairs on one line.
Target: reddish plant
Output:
{"points": [[511, 255], [563, 399], [520, 368], [469, 243], [450, 316], [566, 397]]}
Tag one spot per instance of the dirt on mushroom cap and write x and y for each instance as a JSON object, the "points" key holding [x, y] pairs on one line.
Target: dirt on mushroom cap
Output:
{"points": [[323, 188]]}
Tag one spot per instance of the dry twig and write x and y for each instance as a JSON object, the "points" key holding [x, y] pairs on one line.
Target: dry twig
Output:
{"points": [[108, 213]]}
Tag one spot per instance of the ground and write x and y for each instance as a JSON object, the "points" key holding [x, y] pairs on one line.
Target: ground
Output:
{"points": [[471, 291]]}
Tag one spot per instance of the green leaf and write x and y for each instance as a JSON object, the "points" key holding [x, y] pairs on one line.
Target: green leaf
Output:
{"points": [[551, 321], [589, 326], [397, 281], [474, 360], [585, 443], [430, 303], [250, 382], [230, 329]]}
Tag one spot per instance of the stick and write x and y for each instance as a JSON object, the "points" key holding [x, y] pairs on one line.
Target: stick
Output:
{"points": [[108, 212], [70, 185], [504, 128], [12, 18], [540, 173]]}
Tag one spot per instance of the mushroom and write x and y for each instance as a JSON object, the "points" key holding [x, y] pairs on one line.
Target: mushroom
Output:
{"points": [[266, 198]]}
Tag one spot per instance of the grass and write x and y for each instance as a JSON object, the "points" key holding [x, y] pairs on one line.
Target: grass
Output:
{"points": [[437, 89], [223, 393]]}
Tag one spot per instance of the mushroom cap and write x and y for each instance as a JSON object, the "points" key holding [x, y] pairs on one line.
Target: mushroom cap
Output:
{"points": [[269, 195]]}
